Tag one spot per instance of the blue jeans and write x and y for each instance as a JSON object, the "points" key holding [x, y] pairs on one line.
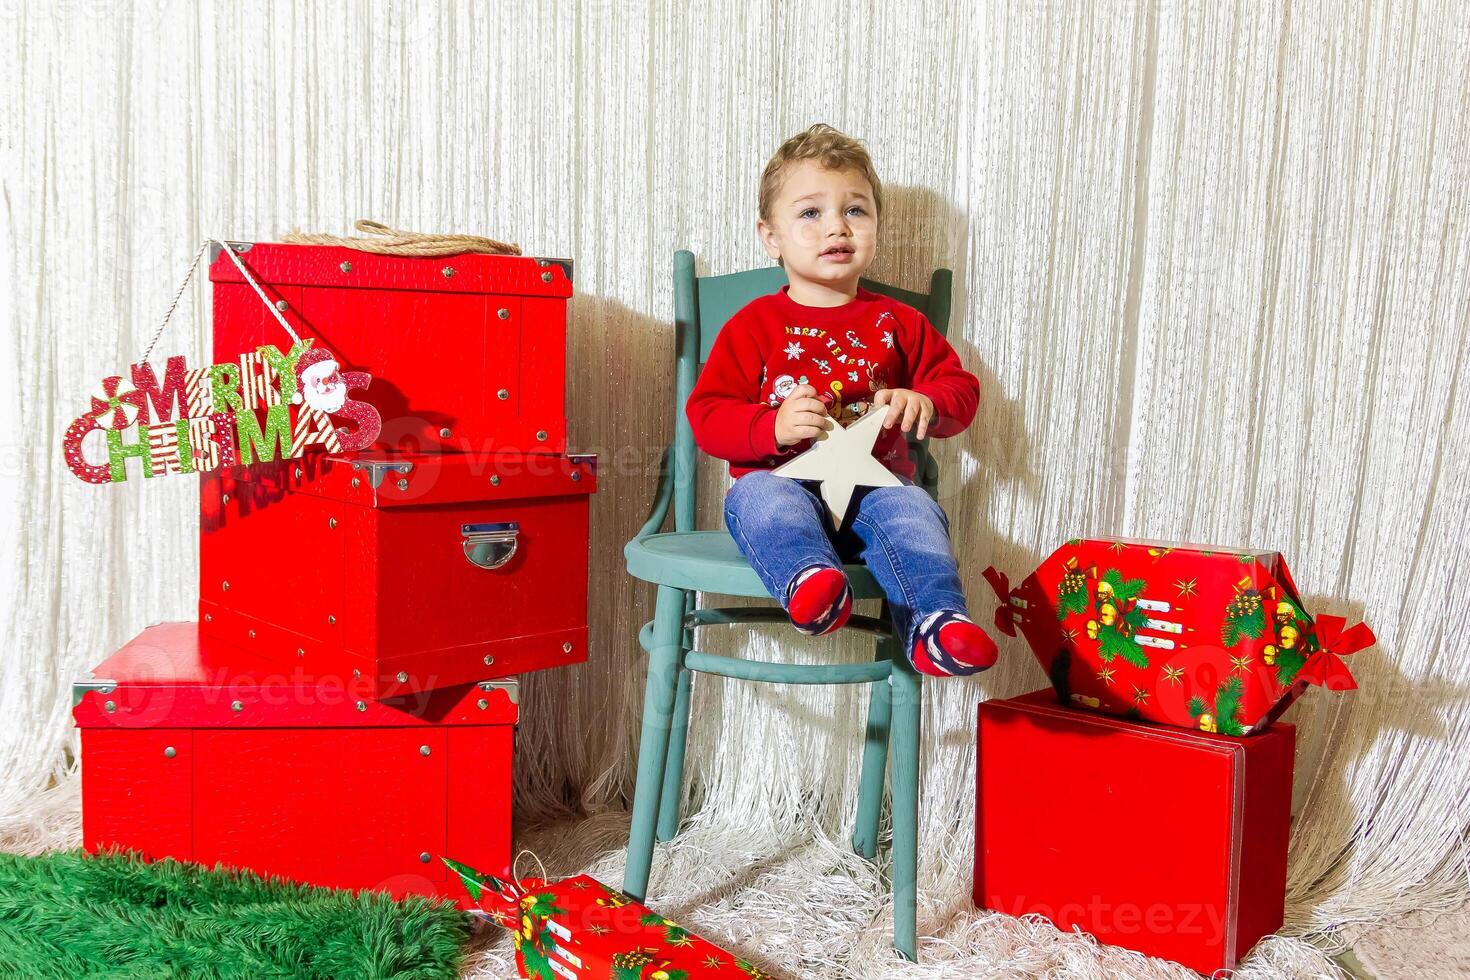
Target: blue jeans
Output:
{"points": [[900, 533]]}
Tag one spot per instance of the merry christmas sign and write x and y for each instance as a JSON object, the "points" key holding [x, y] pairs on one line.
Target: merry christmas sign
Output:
{"points": [[264, 406], [1187, 635]]}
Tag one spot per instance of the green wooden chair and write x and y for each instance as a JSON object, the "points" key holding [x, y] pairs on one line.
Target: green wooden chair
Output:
{"points": [[686, 561]]}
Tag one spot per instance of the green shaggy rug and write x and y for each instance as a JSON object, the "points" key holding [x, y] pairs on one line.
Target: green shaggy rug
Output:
{"points": [[71, 916]]}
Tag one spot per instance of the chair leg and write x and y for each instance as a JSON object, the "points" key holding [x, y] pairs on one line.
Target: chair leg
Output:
{"points": [[673, 789], [875, 760], [907, 707], [658, 705]]}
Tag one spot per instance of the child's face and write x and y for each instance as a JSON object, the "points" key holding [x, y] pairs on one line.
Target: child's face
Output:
{"points": [[822, 226]]}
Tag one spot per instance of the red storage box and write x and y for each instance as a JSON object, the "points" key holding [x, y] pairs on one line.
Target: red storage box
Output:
{"points": [[189, 754], [467, 352], [1162, 840], [407, 571]]}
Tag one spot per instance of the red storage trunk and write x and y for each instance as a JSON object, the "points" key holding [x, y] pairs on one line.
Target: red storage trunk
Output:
{"points": [[406, 571], [467, 352], [1166, 841], [189, 753]]}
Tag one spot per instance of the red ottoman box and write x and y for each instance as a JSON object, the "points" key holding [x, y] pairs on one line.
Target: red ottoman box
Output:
{"points": [[407, 571], [467, 352], [1167, 841], [188, 754]]}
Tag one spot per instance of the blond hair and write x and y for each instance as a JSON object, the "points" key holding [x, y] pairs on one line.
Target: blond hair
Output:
{"points": [[828, 147]]}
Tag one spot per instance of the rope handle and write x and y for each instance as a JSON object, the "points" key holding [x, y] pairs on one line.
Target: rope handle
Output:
{"points": [[516, 863], [188, 276], [381, 239]]}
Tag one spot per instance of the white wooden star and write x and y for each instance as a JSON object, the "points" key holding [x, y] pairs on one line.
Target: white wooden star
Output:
{"points": [[842, 459]]}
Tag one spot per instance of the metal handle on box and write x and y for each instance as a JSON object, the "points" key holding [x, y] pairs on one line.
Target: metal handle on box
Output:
{"points": [[490, 545]]}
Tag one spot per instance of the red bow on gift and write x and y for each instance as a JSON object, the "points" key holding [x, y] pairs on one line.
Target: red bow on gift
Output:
{"points": [[1326, 666], [1002, 586]]}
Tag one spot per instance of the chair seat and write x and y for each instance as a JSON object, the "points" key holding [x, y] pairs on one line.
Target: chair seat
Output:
{"points": [[710, 561]]}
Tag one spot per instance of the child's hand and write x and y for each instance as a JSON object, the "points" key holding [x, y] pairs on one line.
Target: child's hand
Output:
{"points": [[906, 405], [800, 417]]}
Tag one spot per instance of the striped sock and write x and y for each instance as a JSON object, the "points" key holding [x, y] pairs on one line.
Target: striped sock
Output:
{"points": [[820, 600], [949, 644]]}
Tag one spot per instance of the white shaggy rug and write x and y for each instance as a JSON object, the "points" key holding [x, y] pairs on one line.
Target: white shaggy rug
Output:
{"points": [[816, 910], [813, 909]]}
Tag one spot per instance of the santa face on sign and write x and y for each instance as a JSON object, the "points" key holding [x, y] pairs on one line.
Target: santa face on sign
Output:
{"points": [[324, 386], [321, 381]]}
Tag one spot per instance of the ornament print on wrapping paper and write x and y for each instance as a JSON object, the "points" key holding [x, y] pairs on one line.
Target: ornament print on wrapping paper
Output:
{"points": [[1183, 635]]}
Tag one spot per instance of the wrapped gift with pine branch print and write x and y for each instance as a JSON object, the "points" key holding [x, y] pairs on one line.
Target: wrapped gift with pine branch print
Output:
{"points": [[579, 929], [1197, 636]]}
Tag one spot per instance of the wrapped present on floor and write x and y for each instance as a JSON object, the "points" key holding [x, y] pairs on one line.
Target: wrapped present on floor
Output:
{"points": [[579, 929], [1188, 635]]}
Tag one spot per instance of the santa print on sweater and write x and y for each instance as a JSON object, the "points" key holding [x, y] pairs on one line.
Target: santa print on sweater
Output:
{"points": [[846, 353]]}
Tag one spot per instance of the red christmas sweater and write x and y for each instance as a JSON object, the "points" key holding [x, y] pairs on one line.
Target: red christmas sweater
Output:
{"points": [[845, 352]]}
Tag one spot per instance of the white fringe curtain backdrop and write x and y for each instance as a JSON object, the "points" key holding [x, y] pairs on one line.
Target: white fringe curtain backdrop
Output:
{"points": [[1212, 267]]}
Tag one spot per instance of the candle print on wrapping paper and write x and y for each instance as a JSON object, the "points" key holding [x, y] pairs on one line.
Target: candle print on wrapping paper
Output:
{"points": [[1186, 635], [263, 406]]}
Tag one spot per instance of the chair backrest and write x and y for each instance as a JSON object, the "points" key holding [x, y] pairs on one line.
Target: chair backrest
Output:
{"points": [[702, 307]]}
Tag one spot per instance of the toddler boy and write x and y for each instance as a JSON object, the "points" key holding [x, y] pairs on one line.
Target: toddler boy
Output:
{"points": [[824, 350]]}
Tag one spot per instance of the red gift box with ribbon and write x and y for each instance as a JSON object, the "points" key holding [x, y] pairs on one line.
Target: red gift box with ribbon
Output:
{"points": [[1189, 635], [579, 929]]}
